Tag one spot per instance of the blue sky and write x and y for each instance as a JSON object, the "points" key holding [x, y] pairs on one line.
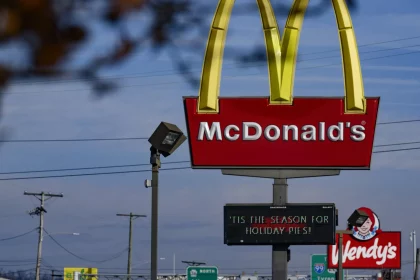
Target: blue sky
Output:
{"points": [[191, 201]]}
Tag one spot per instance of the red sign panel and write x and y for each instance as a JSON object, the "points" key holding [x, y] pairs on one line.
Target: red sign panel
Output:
{"points": [[380, 252], [312, 133]]}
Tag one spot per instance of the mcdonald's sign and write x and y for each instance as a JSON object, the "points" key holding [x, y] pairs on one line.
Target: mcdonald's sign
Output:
{"points": [[281, 131]]}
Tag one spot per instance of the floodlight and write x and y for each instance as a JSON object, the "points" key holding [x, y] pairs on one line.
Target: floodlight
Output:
{"points": [[164, 140], [167, 138], [358, 218]]}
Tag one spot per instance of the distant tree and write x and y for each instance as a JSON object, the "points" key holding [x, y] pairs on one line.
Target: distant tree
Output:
{"points": [[47, 33]]}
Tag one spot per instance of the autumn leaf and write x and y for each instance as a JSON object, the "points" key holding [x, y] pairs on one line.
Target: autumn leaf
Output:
{"points": [[73, 34], [4, 76], [49, 55], [128, 5], [125, 49], [11, 22], [119, 7], [28, 5]]}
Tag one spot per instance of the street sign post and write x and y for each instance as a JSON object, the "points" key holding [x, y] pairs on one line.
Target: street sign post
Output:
{"points": [[202, 273], [319, 268]]}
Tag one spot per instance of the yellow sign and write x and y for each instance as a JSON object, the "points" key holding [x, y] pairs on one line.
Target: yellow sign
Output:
{"points": [[281, 55], [69, 273]]}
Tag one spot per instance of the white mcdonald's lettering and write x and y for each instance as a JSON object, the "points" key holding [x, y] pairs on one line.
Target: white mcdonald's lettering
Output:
{"points": [[286, 132], [380, 253]]}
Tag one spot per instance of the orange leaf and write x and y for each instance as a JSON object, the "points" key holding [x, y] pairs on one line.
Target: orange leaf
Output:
{"points": [[28, 5], [73, 34], [4, 75], [12, 22], [127, 5], [50, 54], [125, 49]]}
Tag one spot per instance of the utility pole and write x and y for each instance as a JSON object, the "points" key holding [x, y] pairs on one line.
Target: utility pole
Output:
{"points": [[417, 263], [39, 211], [130, 238], [173, 265], [413, 239]]}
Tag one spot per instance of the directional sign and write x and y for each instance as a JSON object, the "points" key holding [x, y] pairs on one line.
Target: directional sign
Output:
{"points": [[202, 273], [319, 268]]}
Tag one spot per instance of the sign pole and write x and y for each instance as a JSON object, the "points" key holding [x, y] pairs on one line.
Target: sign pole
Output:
{"points": [[340, 256], [279, 252]]}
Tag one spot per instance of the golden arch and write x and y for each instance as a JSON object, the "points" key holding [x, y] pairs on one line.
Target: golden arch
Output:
{"points": [[281, 56]]}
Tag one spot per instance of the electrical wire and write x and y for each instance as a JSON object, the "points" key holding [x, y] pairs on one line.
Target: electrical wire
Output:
{"points": [[147, 164], [21, 264], [179, 82], [396, 150], [20, 235], [81, 258], [388, 145], [142, 138], [146, 170], [17, 261], [174, 72], [89, 168], [89, 174]]}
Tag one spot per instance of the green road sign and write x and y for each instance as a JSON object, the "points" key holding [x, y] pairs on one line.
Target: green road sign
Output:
{"points": [[319, 268], [202, 273]]}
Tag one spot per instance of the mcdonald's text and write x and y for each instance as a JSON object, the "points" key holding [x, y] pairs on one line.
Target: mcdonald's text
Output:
{"points": [[313, 132], [272, 132], [380, 252]]}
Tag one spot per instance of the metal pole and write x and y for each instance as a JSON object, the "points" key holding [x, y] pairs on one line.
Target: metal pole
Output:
{"points": [[340, 256], [279, 252], [414, 252], [174, 265], [155, 161], [40, 237], [129, 246], [417, 263]]}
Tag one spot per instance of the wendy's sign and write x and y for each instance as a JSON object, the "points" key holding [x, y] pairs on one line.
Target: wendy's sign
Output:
{"points": [[368, 247]]}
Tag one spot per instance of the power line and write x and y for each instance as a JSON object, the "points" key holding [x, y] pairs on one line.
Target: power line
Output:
{"points": [[147, 164], [141, 138], [89, 174], [17, 261], [76, 140], [20, 235], [395, 144], [89, 168], [179, 82], [397, 150], [81, 258], [21, 264], [396, 122], [161, 71], [145, 170]]}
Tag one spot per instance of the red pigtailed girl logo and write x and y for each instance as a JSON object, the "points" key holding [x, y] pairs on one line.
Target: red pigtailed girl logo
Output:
{"points": [[370, 228]]}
